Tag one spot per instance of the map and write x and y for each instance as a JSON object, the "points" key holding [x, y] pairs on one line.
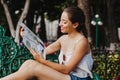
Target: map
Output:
{"points": [[30, 40]]}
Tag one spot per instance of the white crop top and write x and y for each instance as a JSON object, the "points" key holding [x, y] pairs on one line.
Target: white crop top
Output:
{"points": [[84, 67]]}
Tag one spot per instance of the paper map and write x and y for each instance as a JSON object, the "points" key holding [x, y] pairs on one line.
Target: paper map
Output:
{"points": [[30, 40]]}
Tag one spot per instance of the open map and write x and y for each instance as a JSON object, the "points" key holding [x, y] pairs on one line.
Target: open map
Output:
{"points": [[30, 40]]}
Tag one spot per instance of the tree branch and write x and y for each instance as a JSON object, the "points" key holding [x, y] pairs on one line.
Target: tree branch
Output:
{"points": [[23, 16]]}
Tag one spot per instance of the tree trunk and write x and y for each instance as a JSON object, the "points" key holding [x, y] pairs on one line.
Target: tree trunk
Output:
{"points": [[112, 29], [9, 19], [83, 4], [23, 16]]}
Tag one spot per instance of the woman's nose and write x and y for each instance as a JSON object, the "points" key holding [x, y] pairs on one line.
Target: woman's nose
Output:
{"points": [[60, 23]]}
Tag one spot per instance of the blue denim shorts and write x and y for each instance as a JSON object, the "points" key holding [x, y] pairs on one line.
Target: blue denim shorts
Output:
{"points": [[73, 77]]}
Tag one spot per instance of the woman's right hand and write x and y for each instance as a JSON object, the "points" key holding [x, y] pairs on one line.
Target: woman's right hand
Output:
{"points": [[22, 32], [37, 56]]}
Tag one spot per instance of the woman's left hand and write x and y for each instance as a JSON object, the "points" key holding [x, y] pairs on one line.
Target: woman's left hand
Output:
{"points": [[22, 32], [37, 56]]}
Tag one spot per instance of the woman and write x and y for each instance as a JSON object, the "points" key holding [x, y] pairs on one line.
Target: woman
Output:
{"points": [[75, 58]]}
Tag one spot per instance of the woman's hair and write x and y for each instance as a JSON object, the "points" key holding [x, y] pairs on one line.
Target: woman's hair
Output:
{"points": [[75, 14]]}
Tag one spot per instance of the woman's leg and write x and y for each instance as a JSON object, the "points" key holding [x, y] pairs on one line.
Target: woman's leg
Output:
{"points": [[24, 73], [31, 68]]}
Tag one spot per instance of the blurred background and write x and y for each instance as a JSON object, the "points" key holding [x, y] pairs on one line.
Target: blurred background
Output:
{"points": [[42, 17]]}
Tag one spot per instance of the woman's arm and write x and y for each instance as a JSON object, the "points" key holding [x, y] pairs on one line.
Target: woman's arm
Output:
{"points": [[55, 46], [80, 50]]}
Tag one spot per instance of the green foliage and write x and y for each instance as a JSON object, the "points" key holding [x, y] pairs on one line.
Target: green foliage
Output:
{"points": [[11, 55], [107, 64], [95, 76]]}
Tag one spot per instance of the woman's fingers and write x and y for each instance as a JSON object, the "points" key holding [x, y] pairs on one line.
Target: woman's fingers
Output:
{"points": [[22, 32], [36, 55], [33, 52]]}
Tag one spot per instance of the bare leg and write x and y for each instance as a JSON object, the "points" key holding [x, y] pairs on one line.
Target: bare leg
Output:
{"points": [[24, 73], [31, 68]]}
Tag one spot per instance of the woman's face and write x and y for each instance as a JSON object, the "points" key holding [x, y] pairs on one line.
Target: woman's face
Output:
{"points": [[65, 24]]}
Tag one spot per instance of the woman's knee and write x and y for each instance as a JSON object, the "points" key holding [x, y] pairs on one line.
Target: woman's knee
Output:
{"points": [[32, 67], [31, 64], [28, 64]]}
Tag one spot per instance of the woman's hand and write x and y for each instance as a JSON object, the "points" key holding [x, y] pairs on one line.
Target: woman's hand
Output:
{"points": [[37, 56], [22, 32]]}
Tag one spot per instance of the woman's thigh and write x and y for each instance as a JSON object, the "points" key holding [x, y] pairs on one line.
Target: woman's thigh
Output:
{"points": [[43, 72]]}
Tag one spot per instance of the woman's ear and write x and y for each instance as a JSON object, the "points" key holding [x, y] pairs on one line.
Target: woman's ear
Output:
{"points": [[75, 25]]}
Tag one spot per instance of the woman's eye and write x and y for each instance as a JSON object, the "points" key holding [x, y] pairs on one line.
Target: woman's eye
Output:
{"points": [[64, 22]]}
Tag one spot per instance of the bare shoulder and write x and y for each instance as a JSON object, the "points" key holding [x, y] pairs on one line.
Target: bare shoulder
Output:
{"points": [[83, 44], [62, 38], [83, 40]]}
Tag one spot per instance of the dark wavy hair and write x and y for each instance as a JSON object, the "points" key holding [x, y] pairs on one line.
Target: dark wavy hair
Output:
{"points": [[75, 14]]}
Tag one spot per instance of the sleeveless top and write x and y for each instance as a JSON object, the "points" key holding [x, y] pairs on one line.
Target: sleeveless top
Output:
{"points": [[84, 67]]}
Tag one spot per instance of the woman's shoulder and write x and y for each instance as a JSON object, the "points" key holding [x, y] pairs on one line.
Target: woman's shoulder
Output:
{"points": [[63, 37]]}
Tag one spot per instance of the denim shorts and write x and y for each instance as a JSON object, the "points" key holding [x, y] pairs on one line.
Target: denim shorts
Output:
{"points": [[73, 77]]}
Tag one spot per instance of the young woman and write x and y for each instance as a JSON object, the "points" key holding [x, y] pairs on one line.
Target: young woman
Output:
{"points": [[75, 58]]}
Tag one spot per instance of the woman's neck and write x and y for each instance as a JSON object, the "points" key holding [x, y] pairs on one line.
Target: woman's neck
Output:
{"points": [[73, 34]]}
